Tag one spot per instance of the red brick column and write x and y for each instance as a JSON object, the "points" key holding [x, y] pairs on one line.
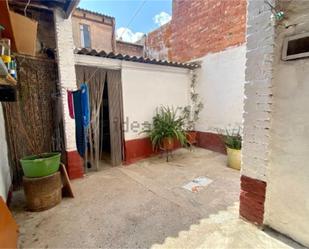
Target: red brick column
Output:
{"points": [[252, 199], [75, 165]]}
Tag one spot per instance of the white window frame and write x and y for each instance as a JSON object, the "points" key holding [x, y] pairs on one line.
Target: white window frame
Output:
{"points": [[286, 41], [82, 36]]}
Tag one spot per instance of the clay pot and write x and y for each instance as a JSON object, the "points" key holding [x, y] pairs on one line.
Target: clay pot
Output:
{"points": [[168, 143], [191, 137]]}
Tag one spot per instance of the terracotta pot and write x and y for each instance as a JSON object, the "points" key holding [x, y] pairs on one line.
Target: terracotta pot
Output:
{"points": [[168, 143], [233, 158], [191, 137]]}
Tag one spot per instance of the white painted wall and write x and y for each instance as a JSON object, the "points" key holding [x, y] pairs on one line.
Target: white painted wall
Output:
{"points": [[258, 90], [146, 87], [220, 85], [66, 71], [287, 199], [5, 176]]}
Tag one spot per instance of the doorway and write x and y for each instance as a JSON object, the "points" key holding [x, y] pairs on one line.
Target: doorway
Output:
{"points": [[105, 134], [105, 143]]}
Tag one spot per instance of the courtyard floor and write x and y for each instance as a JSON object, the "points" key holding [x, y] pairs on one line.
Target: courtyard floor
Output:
{"points": [[144, 206]]}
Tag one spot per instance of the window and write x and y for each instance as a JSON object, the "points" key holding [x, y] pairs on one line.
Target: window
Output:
{"points": [[296, 47], [85, 36]]}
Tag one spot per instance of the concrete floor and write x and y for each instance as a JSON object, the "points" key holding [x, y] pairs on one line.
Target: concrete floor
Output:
{"points": [[144, 206]]}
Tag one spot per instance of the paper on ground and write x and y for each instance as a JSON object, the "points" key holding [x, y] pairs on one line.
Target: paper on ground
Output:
{"points": [[197, 184]]}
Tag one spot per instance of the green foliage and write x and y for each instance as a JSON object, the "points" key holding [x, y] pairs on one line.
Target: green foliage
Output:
{"points": [[191, 112], [166, 124], [232, 139]]}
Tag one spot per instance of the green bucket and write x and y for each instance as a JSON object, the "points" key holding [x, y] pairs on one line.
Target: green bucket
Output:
{"points": [[41, 165]]}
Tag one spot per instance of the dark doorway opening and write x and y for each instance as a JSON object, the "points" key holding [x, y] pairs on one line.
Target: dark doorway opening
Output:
{"points": [[105, 134], [105, 141]]}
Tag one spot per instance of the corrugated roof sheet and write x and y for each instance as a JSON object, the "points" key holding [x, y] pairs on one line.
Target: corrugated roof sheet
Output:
{"points": [[130, 43], [111, 55]]}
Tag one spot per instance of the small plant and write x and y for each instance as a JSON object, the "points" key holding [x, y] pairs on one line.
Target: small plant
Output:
{"points": [[232, 139], [167, 124], [191, 112]]}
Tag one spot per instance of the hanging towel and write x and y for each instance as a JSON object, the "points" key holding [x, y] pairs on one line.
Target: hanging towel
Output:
{"points": [[85, 104], [70, 103], [79, 125]]}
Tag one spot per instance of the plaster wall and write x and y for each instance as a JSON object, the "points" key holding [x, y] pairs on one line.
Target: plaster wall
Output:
{"points": [[287, 200], [5, 176], [147, 87], [220, 86]]}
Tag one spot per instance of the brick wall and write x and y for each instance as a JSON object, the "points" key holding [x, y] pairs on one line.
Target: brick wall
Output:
{"points": [[101, 30], [129, 48], [157, 43], [67, 80], [257, 110], [199, 27]]}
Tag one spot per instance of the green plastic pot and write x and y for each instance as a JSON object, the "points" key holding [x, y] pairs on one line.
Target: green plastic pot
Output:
{"points": [[40, 165]]}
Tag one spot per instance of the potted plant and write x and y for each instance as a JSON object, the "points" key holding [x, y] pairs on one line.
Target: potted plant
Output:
{"points": [[232, 140], [166, 128], [191, 112]]}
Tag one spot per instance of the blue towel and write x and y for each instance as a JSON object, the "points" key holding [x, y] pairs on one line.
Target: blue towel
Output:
{"points": [[79, 124], [85, 104]]}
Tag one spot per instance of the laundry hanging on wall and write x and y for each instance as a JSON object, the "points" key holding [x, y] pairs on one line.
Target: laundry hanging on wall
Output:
{"points": [[79, 128], [85, 104], [82, 117], [70, 103]]}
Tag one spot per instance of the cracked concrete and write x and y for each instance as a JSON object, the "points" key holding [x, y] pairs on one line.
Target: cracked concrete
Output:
{"points": [[144, 205]]}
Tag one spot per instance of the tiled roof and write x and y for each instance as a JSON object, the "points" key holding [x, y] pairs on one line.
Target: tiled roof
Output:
{"points": [[94, 13], [111, 55]]}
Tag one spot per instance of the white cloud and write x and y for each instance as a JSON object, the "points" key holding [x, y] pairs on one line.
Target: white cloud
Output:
{"points": [[162, 18], [128, 35]]}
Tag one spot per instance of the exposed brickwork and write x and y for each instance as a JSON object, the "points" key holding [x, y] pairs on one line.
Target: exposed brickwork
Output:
{"points": [[67, 80], [199, 27], [210, 141], [129, 48], [157, 43], [101, 30], [257, 110], [66, 71], [258, 90], [252, 198], [74, 165]]}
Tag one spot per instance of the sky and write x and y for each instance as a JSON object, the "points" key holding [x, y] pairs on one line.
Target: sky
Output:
{"points": [[133, 17]]}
